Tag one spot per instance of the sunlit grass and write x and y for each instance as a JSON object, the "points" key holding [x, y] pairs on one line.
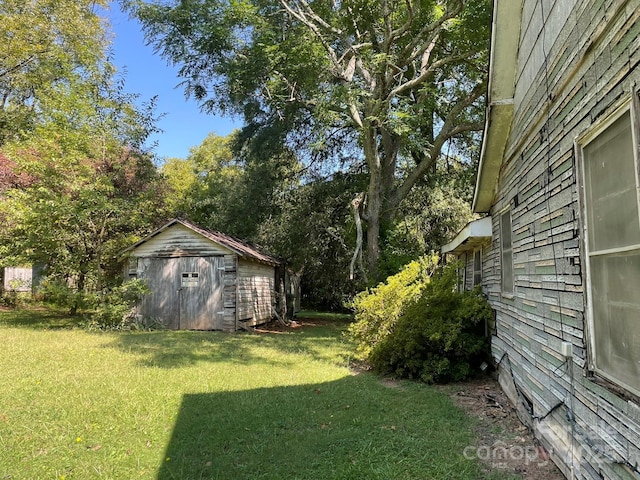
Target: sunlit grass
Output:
{"points": [[182, 405]]}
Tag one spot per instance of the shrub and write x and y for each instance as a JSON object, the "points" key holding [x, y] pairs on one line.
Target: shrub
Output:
{"points": [[58, 292], [377, 310], [438, 336], [13, 299], [116, 307]]}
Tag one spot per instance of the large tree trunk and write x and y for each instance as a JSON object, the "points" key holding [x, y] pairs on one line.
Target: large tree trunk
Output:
{"points": [[374, 199], [381, 152]]}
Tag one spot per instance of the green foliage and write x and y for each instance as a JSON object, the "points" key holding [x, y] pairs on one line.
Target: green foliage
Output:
{"points": [[13, 299], [378, 309], [436, 335], [76, 185], [433, 213], [46, 47], [116, 307], [59, 292]]}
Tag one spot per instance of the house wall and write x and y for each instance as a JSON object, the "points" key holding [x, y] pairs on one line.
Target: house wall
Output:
{"points": [[583, 57], [256, 290]]}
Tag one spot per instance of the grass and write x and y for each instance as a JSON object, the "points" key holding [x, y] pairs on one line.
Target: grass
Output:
{"points": [[193, 405]]}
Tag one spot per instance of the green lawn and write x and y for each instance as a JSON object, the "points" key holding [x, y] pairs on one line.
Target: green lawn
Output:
{"points": [[193, 405]]}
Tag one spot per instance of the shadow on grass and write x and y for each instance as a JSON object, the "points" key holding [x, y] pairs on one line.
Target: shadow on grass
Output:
{"points": [[174, 349], [352, 428], [38, 318]]}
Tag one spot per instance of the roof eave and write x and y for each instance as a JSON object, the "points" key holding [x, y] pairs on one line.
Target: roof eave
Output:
{"points": [[500, 104], [473, 234]]}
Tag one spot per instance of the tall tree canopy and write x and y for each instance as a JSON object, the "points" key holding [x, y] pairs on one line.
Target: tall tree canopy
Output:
{"points": [[398, 80], [45, 45]]}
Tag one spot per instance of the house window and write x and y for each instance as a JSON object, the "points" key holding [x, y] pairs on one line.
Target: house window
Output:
{"points": [[477, 267], [462, 272], [612, 245], [506, 251]]}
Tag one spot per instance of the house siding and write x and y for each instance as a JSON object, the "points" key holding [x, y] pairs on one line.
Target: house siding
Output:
{"points": [[583, 57]]}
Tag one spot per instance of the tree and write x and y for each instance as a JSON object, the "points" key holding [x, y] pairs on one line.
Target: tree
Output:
{"points": [[397, 80], [225, 187], [75, 182], [313, 230], [44, 44], [180, 175]]}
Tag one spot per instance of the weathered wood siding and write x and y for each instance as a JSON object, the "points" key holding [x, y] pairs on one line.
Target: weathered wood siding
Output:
{"points": [[186, 292], [256, 290], [179, 241], [577, 63]]}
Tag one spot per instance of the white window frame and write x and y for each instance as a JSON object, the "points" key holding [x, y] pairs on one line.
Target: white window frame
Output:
{"points": [[631, 108], [506, 292]]}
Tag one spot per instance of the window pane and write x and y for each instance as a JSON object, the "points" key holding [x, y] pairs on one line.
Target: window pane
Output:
{"points": [[610, 187], [477, 267], [505, 229], [616, 310], [507, 256], [507, 272]]}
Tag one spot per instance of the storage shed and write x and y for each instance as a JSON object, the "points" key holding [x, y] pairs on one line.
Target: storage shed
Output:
{"points": [[204, 280], [20, 279]]}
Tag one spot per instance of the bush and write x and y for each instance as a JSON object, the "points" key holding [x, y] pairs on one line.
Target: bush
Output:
{"points": [[377, 309], [13, 299], [437, 336], [58, 292], [116, 307]]}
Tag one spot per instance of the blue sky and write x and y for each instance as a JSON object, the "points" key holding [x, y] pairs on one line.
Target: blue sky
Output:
{"points": [[183, 125]]}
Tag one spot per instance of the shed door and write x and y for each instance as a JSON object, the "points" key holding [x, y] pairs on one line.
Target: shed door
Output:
{"points": [[201, 283]]}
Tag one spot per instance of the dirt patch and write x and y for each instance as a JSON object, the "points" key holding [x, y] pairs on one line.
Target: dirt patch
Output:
{"points": [[504, 443], [277, 327]]}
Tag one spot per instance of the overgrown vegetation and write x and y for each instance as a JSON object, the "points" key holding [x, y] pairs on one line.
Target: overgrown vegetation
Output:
{"points": [[115, 308], [417, 325], [191, 405]]}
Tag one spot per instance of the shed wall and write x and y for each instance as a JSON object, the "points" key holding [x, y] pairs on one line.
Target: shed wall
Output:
{"points": [[176, 242], [18, 279], [256, 292], [179, 241], [585, 58]]}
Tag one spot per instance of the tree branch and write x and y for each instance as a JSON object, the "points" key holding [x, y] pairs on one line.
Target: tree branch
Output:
{"points": [[450, 128], [412, 50], [21, 64], [357, 254], [302, 17], [428, 72]]}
